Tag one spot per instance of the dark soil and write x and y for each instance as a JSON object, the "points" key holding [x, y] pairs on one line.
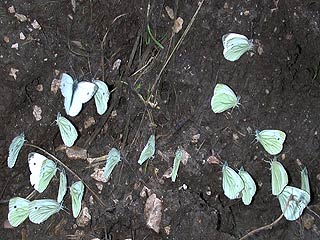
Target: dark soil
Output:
{"points": [[279, 89]]}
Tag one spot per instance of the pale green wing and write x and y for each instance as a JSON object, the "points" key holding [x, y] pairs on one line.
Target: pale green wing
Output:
{"points": [[76, 191], [292, 202], [101, 96], [279, 177], [35, 161], [14, 149], [232, 183], [249, 187], [176, 163], [148, 150], [271, 140], [42, 209], [235, 45], [68, 132], [112, 160], [18, 211], [62, 186], [48, 170], [305, 180], [223, 98]]}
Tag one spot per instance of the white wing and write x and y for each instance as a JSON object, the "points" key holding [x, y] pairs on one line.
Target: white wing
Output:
{"points": [[66, 87], [35, 161], [83, 92]]}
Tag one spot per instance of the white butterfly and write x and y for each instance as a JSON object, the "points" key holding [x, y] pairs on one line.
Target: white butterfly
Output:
{"points": [[235, 45], [42, 209], [62, 186], [75, 94], [76, 192], [42, 171]]}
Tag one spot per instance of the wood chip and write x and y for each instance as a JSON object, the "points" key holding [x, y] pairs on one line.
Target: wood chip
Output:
{"points": [[11, 9], [55, 85], [15, 46], [20, 17], [98, 175], [35, 24], [84, 218], [6, 39], [37, 111], [170, 12], [177, 25], [22, 36], [76, 153], [90, 121], [153, 212]]}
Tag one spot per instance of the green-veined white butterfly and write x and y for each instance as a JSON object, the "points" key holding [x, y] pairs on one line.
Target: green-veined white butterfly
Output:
{"points": [[68, 132], [14, 149], [42, 170], [76, 192], [18, 210], [293, 201], [279, 177], [235, 45], [271, 140], [62, 186], [305, 180], [101, 97], [223, 98], [42, 209], [232, 183], [176, 163], [249, 186], [75, 94], [112, 160], [148, 150]]}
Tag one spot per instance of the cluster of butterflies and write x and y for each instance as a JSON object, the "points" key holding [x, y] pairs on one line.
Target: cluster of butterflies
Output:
{"points": [[235, 185], [42, 171]]}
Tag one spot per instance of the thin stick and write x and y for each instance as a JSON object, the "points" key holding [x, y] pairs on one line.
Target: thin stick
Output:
{"points": [[269, 226], [68, 169], [176, 47]]}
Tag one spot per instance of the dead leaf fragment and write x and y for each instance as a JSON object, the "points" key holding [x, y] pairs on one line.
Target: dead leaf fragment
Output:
{"points": [[98, 175], [22, 36], [195, 138], [167, 173], [74, 4], [6, 39], [84, 218], [35, 24], [20, 17], [170, 12], [153, 212], [15, 46], [145, 192], [76, 153], [307, 221], [185, 157], [89, 122], [39, 87], [55, 85], [11, 9], [7, 225], [116, 64], [213, 160], [37, 111], [177, 26]]}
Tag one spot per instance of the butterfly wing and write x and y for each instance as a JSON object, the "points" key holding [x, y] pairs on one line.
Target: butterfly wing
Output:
{"points": [[305, 180], [35, 161], [14, 149], [176, 163], [112, 160], [232, 183], [279, 177], [235, 45], [292, 202], [223, 98], [76, 191], [62, 186], [83, 92], [68, 132], [249, 187], [42, 209], [148, 150], [101, 96], [18, 211], [48, 170], [271, 140], [66, 87]]}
